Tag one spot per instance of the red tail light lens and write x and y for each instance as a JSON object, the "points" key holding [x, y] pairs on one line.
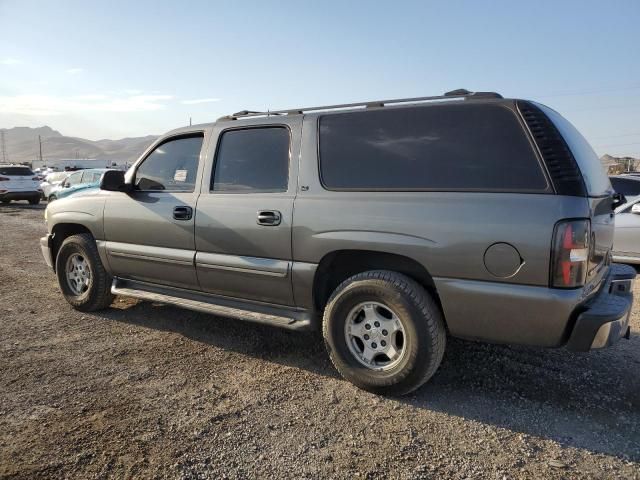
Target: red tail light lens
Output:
{"points": [[570, 253], [4, 179], [35, 178]]}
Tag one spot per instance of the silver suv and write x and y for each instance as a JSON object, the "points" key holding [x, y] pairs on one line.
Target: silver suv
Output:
{"points": [[389, 225]]}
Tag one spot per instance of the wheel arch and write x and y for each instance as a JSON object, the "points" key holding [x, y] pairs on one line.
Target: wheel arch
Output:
{"points": [[62, 231], [337, 266]]}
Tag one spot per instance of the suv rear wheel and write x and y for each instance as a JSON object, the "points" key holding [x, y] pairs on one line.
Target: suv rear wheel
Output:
{"points": [[384, 332], [84, 282]]}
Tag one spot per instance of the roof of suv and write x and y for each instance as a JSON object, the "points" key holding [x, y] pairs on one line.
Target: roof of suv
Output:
{"points": [[259, 117]]}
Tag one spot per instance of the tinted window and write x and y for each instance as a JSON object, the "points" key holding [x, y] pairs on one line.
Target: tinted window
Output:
{"points": [[444, 147], [16, 171], [253, 160], [172, 166], [592, 170], [626, 186]]}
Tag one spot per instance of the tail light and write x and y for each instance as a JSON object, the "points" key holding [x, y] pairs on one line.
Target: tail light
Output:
{"points": [[4, 179], [570, 253], [35, 178]]}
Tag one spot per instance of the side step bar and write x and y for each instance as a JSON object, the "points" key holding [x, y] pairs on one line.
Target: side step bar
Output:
{"points": [[283, 317]]}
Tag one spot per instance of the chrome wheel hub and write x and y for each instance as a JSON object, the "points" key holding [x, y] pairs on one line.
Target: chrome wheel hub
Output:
{"points": [[375, 336], [78, 274]]}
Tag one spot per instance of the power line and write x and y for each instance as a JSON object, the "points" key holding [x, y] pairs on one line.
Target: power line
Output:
{"points": [[618, 136], [618, 145], [591, 91]]}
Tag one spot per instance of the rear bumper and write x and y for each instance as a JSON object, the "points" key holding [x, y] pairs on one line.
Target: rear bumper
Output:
{"points": [[604, 319], [26, 195], [45, 247]]}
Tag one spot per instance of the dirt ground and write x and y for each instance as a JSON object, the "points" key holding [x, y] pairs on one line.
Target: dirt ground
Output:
{"points": [[143, 390]]}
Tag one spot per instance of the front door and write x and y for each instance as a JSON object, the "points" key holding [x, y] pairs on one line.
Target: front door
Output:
{"points": [[245, 212], [150, 231]]}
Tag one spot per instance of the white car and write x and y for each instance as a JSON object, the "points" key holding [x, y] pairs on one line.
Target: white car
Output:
{"points": [[18, 182], [626, 242], [51, 182]]}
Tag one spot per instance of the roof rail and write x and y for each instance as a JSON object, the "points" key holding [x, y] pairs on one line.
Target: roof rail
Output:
{"points": [[460, 93]]}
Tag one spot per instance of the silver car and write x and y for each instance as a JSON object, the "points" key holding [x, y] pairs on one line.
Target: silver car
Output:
{"points": [[626, 244]]}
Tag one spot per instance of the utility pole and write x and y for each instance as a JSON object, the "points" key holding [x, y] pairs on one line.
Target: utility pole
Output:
{"points": [[189, 121], [5, 157], [40, 143]]}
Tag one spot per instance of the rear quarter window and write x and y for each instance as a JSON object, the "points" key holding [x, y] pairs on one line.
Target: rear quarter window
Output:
{"points": [[439, 147], [593, 173]]}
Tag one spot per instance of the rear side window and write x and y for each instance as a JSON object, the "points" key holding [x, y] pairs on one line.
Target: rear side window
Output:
{"points": [[626, 186], [171, 166], [252, 160], [16, 171], [444, 147]]}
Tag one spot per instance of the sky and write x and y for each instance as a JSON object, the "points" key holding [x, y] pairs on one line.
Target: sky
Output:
{"points": [[113, 69]]}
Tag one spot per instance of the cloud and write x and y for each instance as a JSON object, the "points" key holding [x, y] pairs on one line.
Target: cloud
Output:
{"points": [[38, 105], [74, 71], [10, 61], [197, 101]]}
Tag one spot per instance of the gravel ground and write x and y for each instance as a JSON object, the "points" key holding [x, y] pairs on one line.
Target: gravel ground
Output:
{"points": [[143, 390]]}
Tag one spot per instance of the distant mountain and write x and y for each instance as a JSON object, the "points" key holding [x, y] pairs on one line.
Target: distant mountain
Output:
{"points": [[619, 164], [22, 146]]}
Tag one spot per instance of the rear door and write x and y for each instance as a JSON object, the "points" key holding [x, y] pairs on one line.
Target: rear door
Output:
{"points": [[245, 213], [149, 232]]}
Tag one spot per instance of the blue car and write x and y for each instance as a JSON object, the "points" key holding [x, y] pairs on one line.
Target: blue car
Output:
{"points": [[77, 182]]}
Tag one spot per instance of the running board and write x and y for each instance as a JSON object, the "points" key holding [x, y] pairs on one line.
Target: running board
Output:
{"points": [[279, 316]]}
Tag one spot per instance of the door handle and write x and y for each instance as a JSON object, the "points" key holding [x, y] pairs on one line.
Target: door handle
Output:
{"points": [[182, 213], [269, 217]]}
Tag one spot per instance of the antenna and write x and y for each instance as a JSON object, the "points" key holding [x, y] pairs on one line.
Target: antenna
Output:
{"points": [[4, 147]]}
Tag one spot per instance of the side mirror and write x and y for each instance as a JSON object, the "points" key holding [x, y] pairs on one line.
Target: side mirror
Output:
{"points": [[636, 208], [618, 200], [113, 181]]}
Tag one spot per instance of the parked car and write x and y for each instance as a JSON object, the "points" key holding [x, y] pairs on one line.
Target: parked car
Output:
{"points": [[18, 182], [76, 182], [51, 181], [387, 224], [628, 185], [626, 244]]}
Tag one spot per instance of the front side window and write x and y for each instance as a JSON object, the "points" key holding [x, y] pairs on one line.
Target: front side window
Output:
{"points": [[252, 160], [74, 179], [440, 147], [172, 166]]}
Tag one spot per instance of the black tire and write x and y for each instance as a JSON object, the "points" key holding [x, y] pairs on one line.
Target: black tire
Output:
{"points": [[34, 201], [424, 337], [51, 198], [6, 202], [98, 295]]}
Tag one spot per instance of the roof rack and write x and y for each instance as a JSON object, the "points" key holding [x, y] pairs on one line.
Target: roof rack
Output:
{"points": [[460, 93]]}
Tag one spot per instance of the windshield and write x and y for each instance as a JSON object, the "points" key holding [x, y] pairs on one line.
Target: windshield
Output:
{"points": [[595, 178]]}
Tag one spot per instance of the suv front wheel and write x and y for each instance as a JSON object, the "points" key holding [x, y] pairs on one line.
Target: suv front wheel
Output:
{"points": [[384, 332], [84, 282]]}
